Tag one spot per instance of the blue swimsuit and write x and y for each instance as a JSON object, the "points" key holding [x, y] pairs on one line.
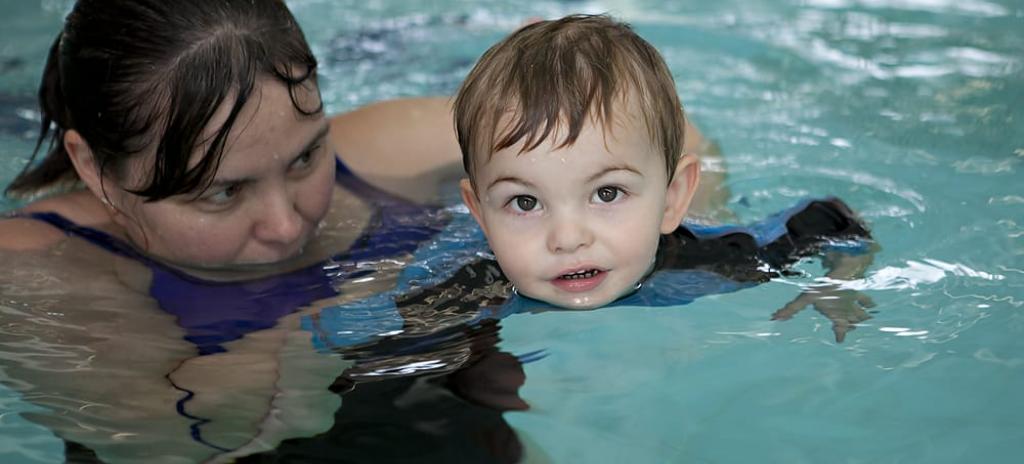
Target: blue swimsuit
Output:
{"points": [[213, 313]]}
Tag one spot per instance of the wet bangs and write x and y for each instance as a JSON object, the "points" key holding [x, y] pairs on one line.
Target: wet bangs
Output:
{"points": [[221, 72], [552, 77]]}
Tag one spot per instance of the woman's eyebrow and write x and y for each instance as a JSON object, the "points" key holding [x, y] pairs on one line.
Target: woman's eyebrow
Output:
{"points": [[319, 136], [223, 183]]}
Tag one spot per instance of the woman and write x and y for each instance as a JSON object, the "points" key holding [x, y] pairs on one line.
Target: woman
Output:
{"points": [[198, 133], [193, 164]]}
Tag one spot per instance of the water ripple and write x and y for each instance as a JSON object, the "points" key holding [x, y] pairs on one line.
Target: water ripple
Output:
{"points": [[963, 7], [986, 355], [987, 166], [914, 274]]}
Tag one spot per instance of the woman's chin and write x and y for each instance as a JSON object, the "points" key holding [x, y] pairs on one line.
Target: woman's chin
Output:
{"points": [[248, 263]]}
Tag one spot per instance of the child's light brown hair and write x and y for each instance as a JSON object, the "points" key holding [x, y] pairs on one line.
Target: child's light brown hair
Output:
{"points": [[561, 72]]}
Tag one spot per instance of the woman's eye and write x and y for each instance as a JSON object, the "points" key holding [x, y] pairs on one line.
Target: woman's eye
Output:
{"points": [[303, 160], [607, 194], [223, 196], [524, 203]]}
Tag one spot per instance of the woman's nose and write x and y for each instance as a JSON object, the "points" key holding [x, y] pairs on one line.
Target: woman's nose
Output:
{"points": [[279, 222], [569, 232]]}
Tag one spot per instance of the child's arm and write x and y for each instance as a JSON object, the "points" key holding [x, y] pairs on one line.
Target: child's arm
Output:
{"points": [[844, 307], [765, 249], [826, 228], [830, 229]]}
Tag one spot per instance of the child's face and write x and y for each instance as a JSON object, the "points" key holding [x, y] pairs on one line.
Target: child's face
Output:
{"points": [[578, 227]]}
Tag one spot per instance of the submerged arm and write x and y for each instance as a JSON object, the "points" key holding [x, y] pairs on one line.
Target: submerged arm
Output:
{"points": [[833, 231], [843, 306], [825, 228], [93, 355]]}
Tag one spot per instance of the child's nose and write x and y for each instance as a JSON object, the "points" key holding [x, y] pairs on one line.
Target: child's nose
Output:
{"points": [[568, 234]]}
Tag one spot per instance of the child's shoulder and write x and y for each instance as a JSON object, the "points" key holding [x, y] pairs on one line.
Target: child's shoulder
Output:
{"points": [[816, 217], [740, 251]]}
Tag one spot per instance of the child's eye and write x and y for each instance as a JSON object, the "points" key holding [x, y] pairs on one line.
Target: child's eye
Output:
{"points": [[607, 194], [523, 203]]}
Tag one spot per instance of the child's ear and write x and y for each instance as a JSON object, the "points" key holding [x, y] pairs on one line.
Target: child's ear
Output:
{"points": [[472, 202], [85, 164], [680, 192]]}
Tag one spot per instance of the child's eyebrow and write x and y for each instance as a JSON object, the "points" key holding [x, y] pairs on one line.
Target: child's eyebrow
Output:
{"points": [[512, 179], [610, 169]]}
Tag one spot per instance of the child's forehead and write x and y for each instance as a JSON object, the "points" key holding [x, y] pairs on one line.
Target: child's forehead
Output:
{"points": [[625, 126], [597, 147], [621, 125]]}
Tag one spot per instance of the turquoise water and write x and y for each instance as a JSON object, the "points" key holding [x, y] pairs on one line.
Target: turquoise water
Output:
{"points": [[910, 110]]}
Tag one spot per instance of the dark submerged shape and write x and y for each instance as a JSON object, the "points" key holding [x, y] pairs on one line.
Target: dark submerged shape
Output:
{"points": [[134, 75]]}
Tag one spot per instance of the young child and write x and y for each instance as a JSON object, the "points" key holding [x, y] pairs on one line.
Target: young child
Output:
{"points": [[572, 138]]}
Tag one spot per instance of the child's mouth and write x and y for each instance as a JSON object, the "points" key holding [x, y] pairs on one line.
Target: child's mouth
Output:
{"points": [[580, 281]]}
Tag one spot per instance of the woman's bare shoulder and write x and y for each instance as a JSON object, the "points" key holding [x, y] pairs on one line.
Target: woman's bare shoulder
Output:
{"points": [[397, 138], [404, 146], [18, 233]]}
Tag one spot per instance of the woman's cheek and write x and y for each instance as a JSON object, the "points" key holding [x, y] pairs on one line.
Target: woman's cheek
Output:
{"points": [[214, 240]]}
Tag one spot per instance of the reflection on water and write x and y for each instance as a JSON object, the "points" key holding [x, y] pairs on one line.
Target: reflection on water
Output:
{"points": [[106, 377], [439, 402]]}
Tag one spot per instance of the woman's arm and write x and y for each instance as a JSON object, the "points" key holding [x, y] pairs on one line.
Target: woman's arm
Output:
{"points": [[710, 203], [407, 146]]}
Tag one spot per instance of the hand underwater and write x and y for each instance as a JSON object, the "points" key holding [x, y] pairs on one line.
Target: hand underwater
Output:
{"points": [[845, 308]]}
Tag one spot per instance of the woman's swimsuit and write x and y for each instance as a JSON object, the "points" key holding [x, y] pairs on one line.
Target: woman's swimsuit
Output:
{"points": [[213, 313]]}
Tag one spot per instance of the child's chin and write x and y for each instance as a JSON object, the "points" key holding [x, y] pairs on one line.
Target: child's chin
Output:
{"points": [[581, 302]]}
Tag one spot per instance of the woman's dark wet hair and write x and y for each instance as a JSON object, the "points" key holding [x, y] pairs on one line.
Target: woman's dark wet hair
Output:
{"points": [[131, 74]]}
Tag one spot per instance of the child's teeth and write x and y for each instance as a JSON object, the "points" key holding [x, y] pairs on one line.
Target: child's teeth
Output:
{"points": [[581, 275]]}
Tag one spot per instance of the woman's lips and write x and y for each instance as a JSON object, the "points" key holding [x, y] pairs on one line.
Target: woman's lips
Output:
{"points": [[580, 281]]}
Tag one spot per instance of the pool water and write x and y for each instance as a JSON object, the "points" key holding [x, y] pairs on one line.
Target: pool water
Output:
{"points": [[910, 110]]}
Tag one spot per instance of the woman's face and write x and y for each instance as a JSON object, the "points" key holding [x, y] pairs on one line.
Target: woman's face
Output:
{"points": [[272, 189]]}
